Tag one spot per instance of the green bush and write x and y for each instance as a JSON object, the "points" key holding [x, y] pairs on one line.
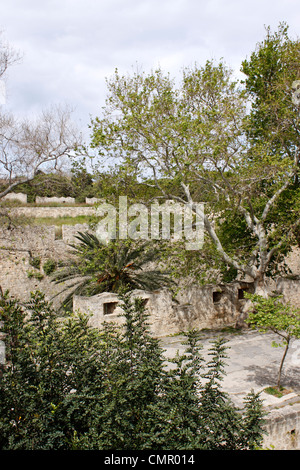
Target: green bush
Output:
{"points": [[49, 266], [35, 274], [65, 385], [35, 262]]}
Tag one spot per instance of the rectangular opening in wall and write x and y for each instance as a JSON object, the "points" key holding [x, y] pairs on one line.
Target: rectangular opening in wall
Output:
{"points": [[242, 291], [109, 307], [145, 302], [217, 296]]}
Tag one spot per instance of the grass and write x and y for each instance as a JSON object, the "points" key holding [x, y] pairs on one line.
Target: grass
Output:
{"points": [[277, 393], [14, 203], [59, 221], [231, 330]]}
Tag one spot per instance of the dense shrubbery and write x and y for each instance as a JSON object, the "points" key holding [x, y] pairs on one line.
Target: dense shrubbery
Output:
{"points": [[66, 385]]}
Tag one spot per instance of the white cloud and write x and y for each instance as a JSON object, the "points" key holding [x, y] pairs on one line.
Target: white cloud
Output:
{"points": [[71, 46]]}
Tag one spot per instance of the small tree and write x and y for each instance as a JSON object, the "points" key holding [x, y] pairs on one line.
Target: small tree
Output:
{"points": [[270, 314]]}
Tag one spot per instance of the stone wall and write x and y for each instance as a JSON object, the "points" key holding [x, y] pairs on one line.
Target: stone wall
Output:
{"points": [[289, 289], [283, 428], [59, 200], [19, 246], [20, 197], [107, 307], [54, 212], [69, 232], [194, 307], [93, 200]]}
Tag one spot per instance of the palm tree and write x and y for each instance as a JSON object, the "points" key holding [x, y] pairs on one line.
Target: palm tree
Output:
{"points": [[121, 264]]}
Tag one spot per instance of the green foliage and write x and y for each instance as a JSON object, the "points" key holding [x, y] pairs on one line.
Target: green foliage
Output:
{"points": [[270, 73], [81, 181], [68, 386], [47, 185], [234, 145], [270, 314], [273, 391], [49, 266], [35, 262], [98, 267], [273, 124]]}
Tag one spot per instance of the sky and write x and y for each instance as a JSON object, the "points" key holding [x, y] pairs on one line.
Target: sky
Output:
{"points": [[70, 47]]}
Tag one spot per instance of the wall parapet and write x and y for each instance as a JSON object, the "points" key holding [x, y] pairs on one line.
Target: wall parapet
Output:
{"points": [[52, 212], [20, 197], [54, 199], [283, 428]]}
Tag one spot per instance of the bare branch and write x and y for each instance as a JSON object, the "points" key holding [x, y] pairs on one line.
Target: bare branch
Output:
{"points": [[29, 146]]}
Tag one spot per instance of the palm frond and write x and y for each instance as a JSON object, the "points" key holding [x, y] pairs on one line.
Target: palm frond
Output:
{"points": [[99, 268]]}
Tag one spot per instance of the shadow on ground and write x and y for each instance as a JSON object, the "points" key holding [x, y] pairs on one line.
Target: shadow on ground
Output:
{"points": [[267, 376]]}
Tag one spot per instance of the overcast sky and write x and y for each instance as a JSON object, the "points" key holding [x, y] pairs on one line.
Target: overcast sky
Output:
{"points": [[69, 47]]}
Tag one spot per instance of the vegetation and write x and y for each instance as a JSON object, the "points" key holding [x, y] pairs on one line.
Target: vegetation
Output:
{"points": [[95, 267], [231, 144], [68, 386], [213, 137], [270, 314], [275, 391], [49, 266]]}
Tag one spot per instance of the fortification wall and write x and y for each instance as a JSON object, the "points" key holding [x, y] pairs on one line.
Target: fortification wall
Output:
{"points": [[283, 428], [205, 307], [195, 307], [22, 197], [20, 246], [59, 200], [54, 212]]}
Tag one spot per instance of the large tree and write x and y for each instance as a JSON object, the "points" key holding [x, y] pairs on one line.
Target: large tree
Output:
{"points": [[197, 134]]}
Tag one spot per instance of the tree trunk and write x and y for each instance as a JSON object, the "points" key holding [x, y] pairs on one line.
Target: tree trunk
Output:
{"points": [[282, 361], [260, 287]]}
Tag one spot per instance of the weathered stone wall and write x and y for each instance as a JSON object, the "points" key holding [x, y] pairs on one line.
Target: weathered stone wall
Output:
{"points": [[289, 289], [20, 197], [19, 246], [283, 428], [293, 261], [162, 321], [55, 212], [93, 200], [194, 307], [70, 231], [53, 199], [206, 307]]}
